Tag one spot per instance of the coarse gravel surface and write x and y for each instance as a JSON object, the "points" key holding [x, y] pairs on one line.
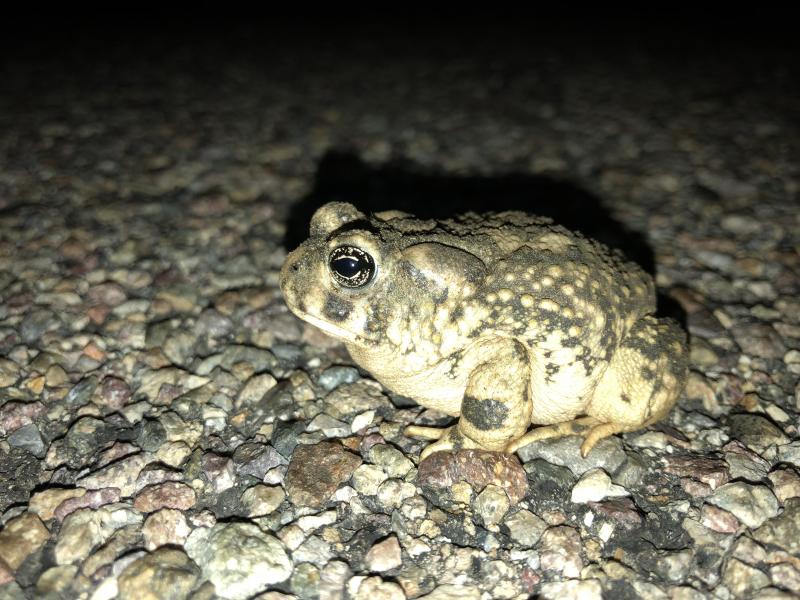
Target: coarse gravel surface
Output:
{"points": [[169, 430]]}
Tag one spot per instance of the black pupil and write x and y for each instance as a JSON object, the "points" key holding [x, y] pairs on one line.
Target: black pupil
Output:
{"points": [[351, 267], [347, 266]]}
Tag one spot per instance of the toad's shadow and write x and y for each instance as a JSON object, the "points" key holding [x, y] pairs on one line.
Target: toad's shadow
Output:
{"points": [[410, 188]]}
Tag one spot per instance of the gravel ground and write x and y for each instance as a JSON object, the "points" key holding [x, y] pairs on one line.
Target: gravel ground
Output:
{"points": [[169, 430]]}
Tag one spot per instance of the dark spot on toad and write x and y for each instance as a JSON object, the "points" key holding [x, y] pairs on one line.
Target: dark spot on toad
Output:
{"points": [[484, 414]]}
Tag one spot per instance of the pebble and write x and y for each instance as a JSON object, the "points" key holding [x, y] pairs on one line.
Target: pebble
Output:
{"points": [[759, 339], [28, 438], [589, 589], [256, 459], [367, 479], [756, 431], [560, 551], [785, 484], [751, 504], [390, 459], [742, 579], [219, 471], [122, 475], [238, 558], [255, 389], [9, 372], [374, 588], [595, 485], [525, 528], [164, 574], [441, 470], [491, 505], [91, 499], [165, 526], [170, 494], [45, 502], [315, 471], [608, 454], [384, 556], [20, 538], [14, 415], [333, 377], [782, 531], [87, 528], [261, 500]]}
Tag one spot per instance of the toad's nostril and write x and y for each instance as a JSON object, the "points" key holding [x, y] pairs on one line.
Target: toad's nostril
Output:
{"points": [[295, 266]]}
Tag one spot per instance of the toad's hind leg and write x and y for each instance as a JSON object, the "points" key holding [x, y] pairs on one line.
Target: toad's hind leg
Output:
{"points": [[640, 385], [642, 382], [496, 407]]}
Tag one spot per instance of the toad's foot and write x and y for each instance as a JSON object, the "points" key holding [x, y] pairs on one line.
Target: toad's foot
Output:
{"points": [[449, 439], [426, 433], [596, 432]]}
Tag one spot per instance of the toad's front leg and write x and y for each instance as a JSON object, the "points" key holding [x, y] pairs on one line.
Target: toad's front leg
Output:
{"points": [[496, 408]]}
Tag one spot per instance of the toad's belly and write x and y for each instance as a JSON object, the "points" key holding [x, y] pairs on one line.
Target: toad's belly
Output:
{"points": [[556, 396]]}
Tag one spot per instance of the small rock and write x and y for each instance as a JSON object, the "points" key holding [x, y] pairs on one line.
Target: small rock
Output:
{"points": [[711, 471], [14, 415], [284, 436], [375, 588], [261, 500], [9, 372], [165, 526], [525, 528], [219, 471], [238, 558], [56, 376], [121, 475], [786, 576], [491, 505], [368, 478], [256, 459], [333, 579], [561, 551], [45, 502], [451, 591], [56, 581], [384, 556], [313, 550], [87, 528], [255, 389], [782, 531], [756, 431], [170, 494], [742, 579], [164, 574], [785, 484], [315, 471], [595, 485], [587, 589], [28, 438], [333, 377], [330, 427], [304, 582], [718, 520], [751, 504], [114, 393], [390, 459], [91, 499], [479, 468], [607, 454], [759, 339], [622, 511], [21, 537]]}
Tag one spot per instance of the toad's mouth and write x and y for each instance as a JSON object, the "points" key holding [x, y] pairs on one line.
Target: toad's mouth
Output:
{"points": [[329, 328]]}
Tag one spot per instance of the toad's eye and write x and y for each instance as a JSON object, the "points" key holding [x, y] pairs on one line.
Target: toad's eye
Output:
{"points": [[351, 267]]}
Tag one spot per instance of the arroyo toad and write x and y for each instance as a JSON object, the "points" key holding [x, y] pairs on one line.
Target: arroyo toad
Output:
{"points": [[504, 319]]}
